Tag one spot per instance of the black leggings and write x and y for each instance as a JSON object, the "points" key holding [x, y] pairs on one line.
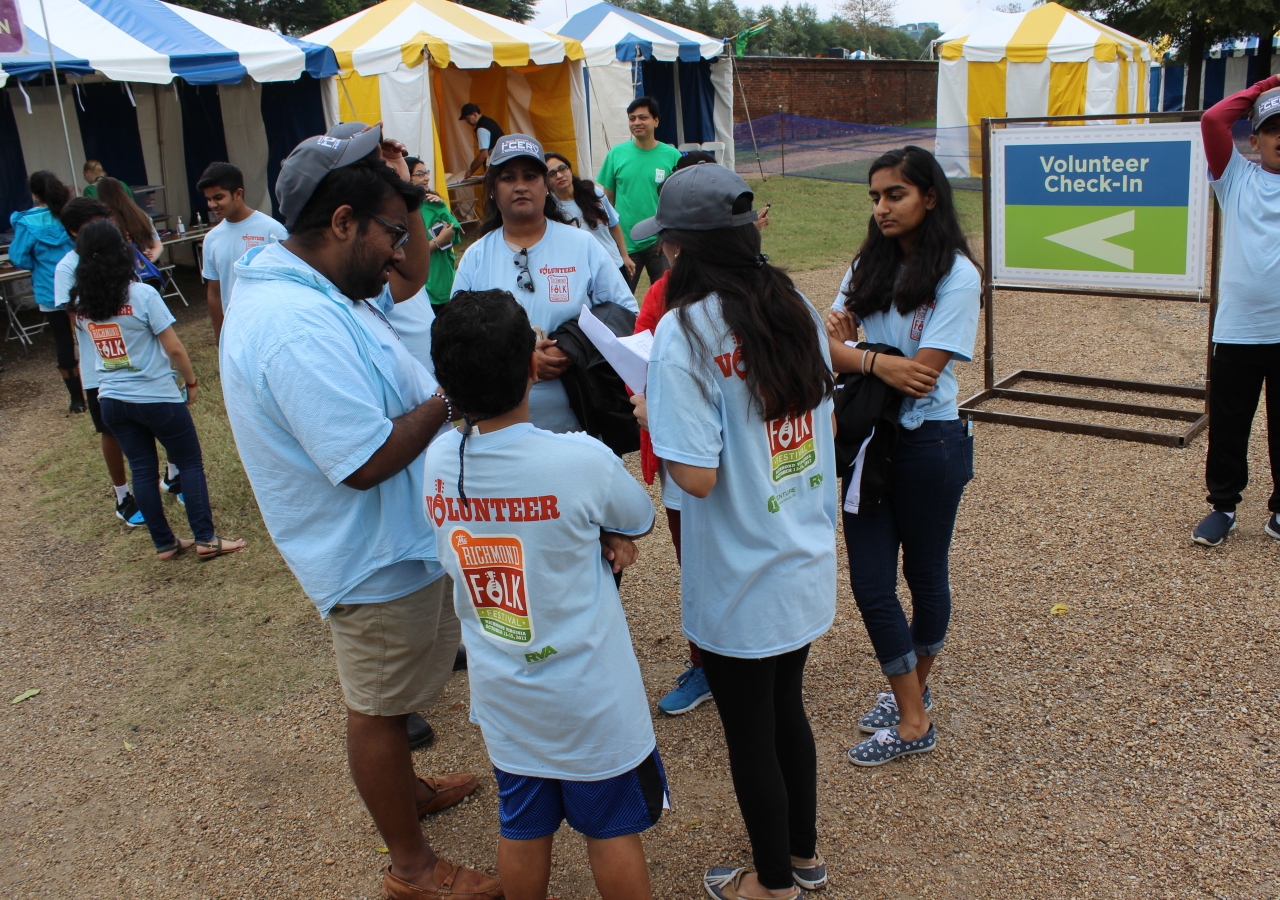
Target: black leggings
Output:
{"points": [[64, 342], [776, 779]]}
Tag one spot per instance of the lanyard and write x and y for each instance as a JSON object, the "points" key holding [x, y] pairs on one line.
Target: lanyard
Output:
{"points": [[385, 321]]}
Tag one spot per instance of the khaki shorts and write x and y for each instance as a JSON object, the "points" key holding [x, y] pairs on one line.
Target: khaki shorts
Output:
{"points": [[395, 657]]}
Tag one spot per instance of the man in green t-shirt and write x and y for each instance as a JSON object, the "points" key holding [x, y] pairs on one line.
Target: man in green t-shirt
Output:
{"points": [[631, 176]]}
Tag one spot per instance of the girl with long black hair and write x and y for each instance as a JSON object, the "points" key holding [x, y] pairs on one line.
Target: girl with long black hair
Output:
{"points": [[739, 407], [584, 204], [525, 246], [914, 285], [137, 353], [39, 244]]}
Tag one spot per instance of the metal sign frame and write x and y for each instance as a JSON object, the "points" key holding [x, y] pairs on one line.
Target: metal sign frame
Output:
{"points": [[1005, 389]]}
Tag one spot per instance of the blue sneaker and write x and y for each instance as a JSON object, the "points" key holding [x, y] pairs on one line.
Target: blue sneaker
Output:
{"points": [[172, 487], [691, 690], [811, 878], [127, 512], [885, 713], [885, 746], [1273, 526], [181, 502], [1214, 528]]}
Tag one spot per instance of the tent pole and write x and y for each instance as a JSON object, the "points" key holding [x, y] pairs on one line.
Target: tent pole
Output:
{"points": [[57, 89], [742, 92], [675, 71]]}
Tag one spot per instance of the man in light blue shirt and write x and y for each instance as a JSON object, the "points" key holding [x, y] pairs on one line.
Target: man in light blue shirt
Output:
{"points": [[331, 415]]}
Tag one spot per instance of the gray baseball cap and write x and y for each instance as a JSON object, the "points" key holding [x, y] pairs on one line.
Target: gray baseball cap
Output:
{"points": [[1267, 106], [511, 146], [699, 198], [315, 158]]}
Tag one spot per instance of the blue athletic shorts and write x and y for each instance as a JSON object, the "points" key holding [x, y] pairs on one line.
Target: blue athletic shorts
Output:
{"points": [[530, 807]]}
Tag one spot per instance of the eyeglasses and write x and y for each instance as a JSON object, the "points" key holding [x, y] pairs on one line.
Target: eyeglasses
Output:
{"points": [[401, 233], [558, 170], [523, 280]]}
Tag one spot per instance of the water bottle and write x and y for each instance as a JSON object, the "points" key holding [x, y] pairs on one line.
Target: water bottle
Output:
{"points": [[182, 229]]}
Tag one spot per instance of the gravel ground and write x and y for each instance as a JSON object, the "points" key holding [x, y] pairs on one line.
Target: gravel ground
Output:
{"points": [[1124, 748]]}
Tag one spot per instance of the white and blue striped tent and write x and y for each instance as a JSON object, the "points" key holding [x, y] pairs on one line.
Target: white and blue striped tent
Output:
{"points": [[630, 55], [1229, 67], [114, 56]]}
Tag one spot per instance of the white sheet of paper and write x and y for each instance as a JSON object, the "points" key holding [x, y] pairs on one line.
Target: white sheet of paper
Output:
{"points": [[630, 361]]}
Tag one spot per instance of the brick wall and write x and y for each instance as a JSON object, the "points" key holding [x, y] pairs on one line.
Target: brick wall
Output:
{"points": [[875, 92]]}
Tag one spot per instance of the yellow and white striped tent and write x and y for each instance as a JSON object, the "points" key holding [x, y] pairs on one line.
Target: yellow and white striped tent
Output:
{"points": [[525, 79], [1049, 61]]}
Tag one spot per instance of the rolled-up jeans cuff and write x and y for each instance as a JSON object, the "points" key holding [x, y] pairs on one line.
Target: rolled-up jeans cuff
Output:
{"points": [[899, 666], [930, 649]]}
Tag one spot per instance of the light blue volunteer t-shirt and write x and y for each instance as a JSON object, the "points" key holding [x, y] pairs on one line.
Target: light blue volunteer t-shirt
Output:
{"points": [[758, 554], [949, 323], [128, 358], [601, 233], [570, 270], [310, 394], [555, 686], [227, 241], [64, 279], [1249, 290], [416, 387], [412, 318]]}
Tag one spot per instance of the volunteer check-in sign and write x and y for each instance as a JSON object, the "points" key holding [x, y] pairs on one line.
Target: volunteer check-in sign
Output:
{"points": [[1100, 206]]}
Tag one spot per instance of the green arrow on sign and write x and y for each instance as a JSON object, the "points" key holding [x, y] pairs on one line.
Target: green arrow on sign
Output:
{"points": [[1091, 239]]}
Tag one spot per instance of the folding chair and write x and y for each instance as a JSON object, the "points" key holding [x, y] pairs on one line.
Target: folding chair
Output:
{"points": [[18, 331], [169, 287]]}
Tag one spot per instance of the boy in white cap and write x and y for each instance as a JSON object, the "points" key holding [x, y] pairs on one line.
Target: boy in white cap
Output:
{"points": [[1246, 331]]}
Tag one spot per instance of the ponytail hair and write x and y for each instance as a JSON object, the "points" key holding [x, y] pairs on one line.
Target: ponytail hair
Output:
{"points": [[880, 280], [775, 327]]}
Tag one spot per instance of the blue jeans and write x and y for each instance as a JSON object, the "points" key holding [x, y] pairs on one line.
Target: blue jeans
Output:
{"points": [[931, 466], [137, 426]]}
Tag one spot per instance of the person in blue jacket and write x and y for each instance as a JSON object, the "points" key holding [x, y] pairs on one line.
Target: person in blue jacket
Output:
{"points": [[39, 243]]}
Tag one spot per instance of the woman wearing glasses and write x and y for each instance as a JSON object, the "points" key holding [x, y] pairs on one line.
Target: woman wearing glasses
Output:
{"points": [[550, 267], [444, 231], [584, 204]]}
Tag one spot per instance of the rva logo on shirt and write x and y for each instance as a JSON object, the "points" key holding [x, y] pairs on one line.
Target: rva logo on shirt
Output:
{"points": [[917, 321], [791, 446], [109, 343], [252, 240], [493, 573]]}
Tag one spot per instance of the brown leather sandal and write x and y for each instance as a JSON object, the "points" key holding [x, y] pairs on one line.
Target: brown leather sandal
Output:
{"points": [[447, 790], [449, 882], [219, 548]]}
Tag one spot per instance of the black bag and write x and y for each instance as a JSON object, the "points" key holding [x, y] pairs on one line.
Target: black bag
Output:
{"points": [[597, 394], [866, 435]]}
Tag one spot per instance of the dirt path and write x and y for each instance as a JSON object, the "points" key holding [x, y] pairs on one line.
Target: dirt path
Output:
{"points": [[1123, 749]]}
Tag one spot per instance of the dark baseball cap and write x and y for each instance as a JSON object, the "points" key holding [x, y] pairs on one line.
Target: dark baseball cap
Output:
{"points": [[510, 146], [315, 158], [699, 198], [1267, 106], [468, 109]]}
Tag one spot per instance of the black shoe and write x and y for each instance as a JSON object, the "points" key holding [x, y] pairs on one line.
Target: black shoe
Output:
{"points": [[127, 511], [77, 406], [171, 487], [460, 661], [420, 731]]}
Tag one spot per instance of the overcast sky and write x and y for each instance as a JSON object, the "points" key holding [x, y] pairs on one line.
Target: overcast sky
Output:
{"points": [[944, 12]]}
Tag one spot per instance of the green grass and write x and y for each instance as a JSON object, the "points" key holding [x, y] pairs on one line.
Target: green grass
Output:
{"points": [[813, 224], [235, 633]]}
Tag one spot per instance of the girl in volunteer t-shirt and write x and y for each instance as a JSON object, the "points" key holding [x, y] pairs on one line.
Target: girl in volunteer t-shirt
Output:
{"points": [[739, 406], [551, 268], [914, 286], [137, 353]]}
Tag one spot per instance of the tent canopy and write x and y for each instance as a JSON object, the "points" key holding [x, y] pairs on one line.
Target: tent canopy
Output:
{"points": [[607, 33], [154, 42], [375, 41], [1049, 61]]}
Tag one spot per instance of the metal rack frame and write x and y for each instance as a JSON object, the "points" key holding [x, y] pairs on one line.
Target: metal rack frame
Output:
{"points": [[1005, 389]]}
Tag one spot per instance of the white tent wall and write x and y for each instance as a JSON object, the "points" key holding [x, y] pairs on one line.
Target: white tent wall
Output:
{"points": [[457, 138], [329, 101], [406, 110], [44, 145], [519, 97], [609, 93], [578, 102], [722, 117], [1027, 89], [952, 141], [164, 139], [246, 138], [1102, 85]]}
